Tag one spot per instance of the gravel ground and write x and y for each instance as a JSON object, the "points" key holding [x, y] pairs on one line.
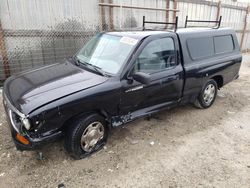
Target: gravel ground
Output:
{"points": [[182, 147]]}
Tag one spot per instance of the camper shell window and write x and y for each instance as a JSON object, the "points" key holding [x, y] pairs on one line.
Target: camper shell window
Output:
{"points": [[205, 47], [200, 48], [223, 44]]}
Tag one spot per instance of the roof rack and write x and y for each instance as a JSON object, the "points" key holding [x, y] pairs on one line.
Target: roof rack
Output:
{"points": [[165, 23], [204, 21]]}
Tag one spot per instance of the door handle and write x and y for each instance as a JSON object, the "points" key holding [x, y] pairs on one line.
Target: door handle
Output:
{"points": [[173, 77], [134, 88]]}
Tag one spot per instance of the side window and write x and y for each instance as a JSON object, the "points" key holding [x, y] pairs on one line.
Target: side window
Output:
{"points": [[200, 47], [223, 44], [157, 56]]}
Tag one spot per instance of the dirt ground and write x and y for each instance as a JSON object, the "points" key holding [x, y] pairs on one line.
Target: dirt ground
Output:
{"points": [[183, 147]]}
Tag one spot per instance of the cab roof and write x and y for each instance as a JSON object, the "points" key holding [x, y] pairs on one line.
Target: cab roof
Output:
{"points": [[202, 30], [136, 34]]}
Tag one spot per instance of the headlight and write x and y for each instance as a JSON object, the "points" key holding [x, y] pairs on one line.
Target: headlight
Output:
{"points": [[26, 123]]}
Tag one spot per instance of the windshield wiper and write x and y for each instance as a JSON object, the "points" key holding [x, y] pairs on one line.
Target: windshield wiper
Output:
{"points": [[96, 68], [76, 61]]}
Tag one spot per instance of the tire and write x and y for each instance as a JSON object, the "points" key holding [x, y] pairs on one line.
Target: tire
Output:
{"points": [[85, 136], [207, 96]]}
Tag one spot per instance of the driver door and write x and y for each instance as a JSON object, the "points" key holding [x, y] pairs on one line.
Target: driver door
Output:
{"points": [[158, 58]]}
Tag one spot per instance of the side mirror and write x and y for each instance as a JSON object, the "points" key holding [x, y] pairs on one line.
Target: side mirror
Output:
{"points": [[142, 77]]}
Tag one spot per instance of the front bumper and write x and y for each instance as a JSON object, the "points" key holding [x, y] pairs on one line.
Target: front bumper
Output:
{"points": [[35, 141]]}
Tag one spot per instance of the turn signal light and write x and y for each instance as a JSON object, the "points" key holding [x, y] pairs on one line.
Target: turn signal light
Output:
{"points": [[22, 139]]}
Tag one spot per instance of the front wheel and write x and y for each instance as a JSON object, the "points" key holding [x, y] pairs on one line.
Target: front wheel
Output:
{"points": [[86, 135], [207, 96]]}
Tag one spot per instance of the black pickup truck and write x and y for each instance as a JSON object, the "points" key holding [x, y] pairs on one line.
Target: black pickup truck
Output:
{"points": [[116, 78]]}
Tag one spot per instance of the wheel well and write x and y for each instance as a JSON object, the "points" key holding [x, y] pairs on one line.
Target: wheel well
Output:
{"points": [[68, 121], [219, 80]]}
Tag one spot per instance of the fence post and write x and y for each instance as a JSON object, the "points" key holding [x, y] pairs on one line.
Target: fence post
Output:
{"points": [[175, 7], [102, 16], [111, 19], [4, 54], [167, 12], [244, 28], [174, 15], [218, 10]]}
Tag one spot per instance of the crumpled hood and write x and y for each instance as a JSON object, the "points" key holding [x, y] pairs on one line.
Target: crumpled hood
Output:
{"points": [[30, 90]]}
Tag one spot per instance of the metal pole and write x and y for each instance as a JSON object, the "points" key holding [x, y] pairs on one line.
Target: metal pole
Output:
{"points": [[143, 23], [175, 8], [137, 7], [244, 28], [176, 23], [186, 21], [218, 10], [121, 6], [167, 12], [219, 22], [4, 54], [102, 17], [111, 19]]}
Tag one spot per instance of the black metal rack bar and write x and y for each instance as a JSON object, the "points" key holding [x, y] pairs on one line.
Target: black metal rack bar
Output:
{"points": [[164, 23], [204, 21]]}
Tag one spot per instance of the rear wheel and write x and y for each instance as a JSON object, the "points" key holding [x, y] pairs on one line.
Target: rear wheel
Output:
{"points": [[86, 135], [207, 96]]}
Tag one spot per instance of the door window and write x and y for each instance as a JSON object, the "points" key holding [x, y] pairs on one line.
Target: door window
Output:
{"points": [[157, 56]]}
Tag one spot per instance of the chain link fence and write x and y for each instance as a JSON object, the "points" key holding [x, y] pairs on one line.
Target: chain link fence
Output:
{"points": [[36, 33]]}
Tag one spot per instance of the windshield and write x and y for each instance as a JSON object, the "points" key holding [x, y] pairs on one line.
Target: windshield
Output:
{"points": [[107, 52]]}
